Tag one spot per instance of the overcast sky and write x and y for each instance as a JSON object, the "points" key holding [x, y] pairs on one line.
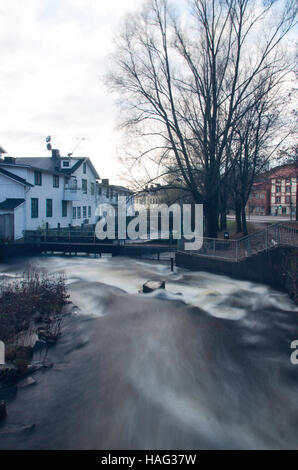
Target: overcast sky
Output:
{"points": [[53, 56]]}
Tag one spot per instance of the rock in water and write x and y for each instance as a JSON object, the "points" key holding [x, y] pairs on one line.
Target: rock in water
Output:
{"points": [[3, 412], [151, 286], [27, 382]]}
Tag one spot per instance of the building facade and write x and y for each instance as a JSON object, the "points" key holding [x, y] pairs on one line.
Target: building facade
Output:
{"points": [[259, 199], [50, 192], [283, 188], [109, 194]]}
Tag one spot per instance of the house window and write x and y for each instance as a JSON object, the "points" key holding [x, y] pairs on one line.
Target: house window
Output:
{"points": [[34, 208], [262, 196], [278, 189], [84, 212], [288, 189], [37, 178], [65, 164], [64, 208], [49, 208], [89, 212], [84, 168], [84, 186], [92, 189], [277, 199], [55, 181], [74, 212], [288, 199], [99, 191], [78, 212]]}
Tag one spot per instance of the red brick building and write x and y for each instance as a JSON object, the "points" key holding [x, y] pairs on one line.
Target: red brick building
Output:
{"points": [[283, 188], [259, 199]]}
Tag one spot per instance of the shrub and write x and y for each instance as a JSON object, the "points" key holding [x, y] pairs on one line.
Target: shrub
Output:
{"points": [[21, 300]]}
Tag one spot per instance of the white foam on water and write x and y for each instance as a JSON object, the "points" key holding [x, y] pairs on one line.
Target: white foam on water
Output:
{"points": [[213, 293]]}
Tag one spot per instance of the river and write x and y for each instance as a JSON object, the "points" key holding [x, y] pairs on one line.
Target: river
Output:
{"points": [[204, 364]]}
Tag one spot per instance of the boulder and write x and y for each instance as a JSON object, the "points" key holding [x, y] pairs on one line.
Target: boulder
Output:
{"points": [[210, 293], [3, 412], [27, 382], [151, 286]]}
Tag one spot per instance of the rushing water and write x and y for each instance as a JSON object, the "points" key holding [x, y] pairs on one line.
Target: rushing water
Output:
{"points": [[203, 364]]}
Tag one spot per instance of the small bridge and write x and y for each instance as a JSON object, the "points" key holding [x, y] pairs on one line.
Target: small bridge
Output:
{"points": [[73, 241]]}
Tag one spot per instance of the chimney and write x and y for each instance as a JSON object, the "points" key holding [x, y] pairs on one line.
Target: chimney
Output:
{"points": [[105, 181], [55, 153]]}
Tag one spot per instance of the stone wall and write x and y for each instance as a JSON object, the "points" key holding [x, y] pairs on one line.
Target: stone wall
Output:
{"points": [[271, 267]]}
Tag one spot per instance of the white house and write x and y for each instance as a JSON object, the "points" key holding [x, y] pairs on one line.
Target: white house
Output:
{"points": [[40, 192], [37, 192]]}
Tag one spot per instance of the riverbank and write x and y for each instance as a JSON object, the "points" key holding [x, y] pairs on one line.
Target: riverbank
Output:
{"points": [[32, 308]]}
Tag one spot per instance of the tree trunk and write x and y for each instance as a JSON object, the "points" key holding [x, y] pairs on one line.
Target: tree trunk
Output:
{"points": [[238, 217], [223, 219], [211, 218], [243, 220]]}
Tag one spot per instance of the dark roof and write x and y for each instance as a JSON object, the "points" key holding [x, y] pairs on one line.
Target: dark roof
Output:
{"points": [[49, 164], [43, 163], [11, 203], [14, 177]]}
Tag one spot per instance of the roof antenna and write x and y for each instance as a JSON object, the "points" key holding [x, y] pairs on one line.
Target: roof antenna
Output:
{"points": [[76, 146]]}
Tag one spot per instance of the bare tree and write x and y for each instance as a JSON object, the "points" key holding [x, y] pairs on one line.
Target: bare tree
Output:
{"points": [[188, 83]]}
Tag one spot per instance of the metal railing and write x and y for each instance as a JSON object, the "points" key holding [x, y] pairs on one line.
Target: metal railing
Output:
{"points": [[68, 234], [231, 250], [236, 250]]}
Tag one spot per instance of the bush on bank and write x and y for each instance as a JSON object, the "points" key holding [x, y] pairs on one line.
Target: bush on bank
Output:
{"points": [[33, 294]]}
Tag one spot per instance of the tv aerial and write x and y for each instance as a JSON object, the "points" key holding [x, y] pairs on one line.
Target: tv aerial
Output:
{"points": [[76, 146]]}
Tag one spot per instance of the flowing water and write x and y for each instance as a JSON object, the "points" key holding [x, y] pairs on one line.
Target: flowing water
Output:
{"points": [[204, 364]]}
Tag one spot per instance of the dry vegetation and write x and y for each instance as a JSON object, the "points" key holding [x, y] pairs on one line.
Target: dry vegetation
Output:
{"points": [[34, 295]]}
